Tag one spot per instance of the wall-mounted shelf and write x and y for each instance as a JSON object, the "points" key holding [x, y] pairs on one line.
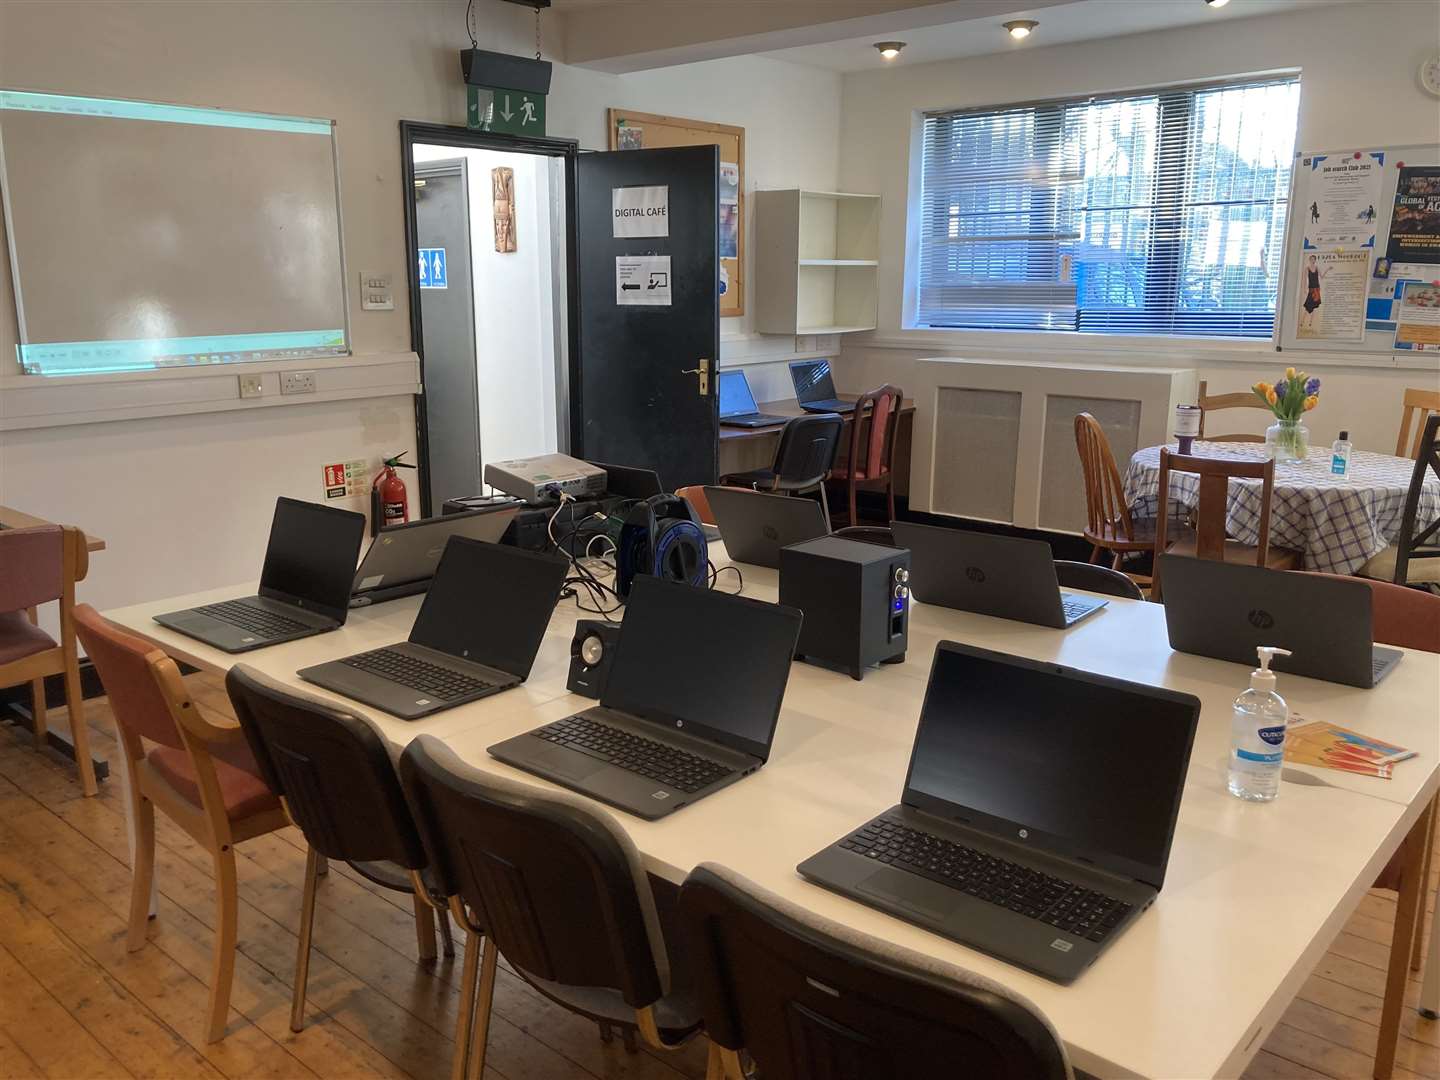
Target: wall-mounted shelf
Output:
{"points": [[817, 262]]}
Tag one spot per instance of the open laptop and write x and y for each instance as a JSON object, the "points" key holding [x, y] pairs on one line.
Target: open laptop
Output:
{"points": [[815, 388], [626, 482], [1006, 576], [675, 723], [401, 560], [755, 526], [477, 633], [737, 403], [304, 583], [1225, 610], [1037, 814]]}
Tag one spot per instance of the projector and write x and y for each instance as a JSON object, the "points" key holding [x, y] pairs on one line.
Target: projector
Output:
{"points": [[546, 478]]}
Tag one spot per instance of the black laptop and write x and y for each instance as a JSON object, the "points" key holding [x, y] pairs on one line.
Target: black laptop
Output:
{"points": [[401, 560], [1226, 611], [676, 720], [477, 633], [304, 584], [1037, 815], [737, 403], [815, 388], [755, 526], [627, 482], [1006, 576]]}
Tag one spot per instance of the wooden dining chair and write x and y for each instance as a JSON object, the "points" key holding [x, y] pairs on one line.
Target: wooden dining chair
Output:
{"points": [[201, 774], [870, 465], [1217, 402], [1108, 524], [1415, 406], [38, 566]]}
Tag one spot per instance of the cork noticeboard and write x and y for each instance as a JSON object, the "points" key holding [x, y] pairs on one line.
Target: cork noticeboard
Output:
{"points": [[646, 131]]}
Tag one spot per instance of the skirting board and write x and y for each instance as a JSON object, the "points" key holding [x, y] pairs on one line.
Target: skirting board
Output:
{"points": [[35, 401]]}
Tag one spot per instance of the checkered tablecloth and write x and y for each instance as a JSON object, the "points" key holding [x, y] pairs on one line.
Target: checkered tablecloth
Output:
{"points": [[1337, 524]]}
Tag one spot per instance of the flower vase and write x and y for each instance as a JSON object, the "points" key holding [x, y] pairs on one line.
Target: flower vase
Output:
{"points": [[1287, 440]]}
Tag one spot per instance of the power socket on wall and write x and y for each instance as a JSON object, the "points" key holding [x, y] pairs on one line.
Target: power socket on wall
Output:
{"points": [[252, 386], [297, 382]]}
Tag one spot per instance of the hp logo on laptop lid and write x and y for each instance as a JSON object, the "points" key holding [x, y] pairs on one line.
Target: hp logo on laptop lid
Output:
{"points": [[975, 574], [1260, 619]]}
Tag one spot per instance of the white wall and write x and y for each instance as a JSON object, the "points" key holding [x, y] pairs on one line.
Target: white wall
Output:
{"points": [[1359, 88]]}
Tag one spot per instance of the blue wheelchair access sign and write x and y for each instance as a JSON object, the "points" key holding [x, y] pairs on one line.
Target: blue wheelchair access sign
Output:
{"points": [[432, 269]]}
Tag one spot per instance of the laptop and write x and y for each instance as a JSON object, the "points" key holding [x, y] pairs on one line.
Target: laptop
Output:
{"points": [[814, 387], [674, 723], [401, 560], [737, 403], [304, 583], [624, 482], [1225, 610], [754, 526], [477, 633], [1005, 576], [1037, 814]]}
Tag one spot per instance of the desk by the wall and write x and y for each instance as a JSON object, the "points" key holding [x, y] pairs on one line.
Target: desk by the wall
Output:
{"points": [[18, 519]]}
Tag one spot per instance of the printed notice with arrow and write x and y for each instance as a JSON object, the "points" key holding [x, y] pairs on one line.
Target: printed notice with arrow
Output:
{"points": [[511, 111], [642, 280]]}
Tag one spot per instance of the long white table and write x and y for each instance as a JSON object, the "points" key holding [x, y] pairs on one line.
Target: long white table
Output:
{"points": [[1254, 894]]}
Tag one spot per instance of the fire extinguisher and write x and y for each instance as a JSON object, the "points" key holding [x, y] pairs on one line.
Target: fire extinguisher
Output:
{"points": [[389, 504]]}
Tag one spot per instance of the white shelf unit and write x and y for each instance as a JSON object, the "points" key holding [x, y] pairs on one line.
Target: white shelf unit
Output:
{"points": [[817, 262]]}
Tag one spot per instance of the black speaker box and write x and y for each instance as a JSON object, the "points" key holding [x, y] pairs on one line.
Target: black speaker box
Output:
{"points": [[592, 651], [855, 598]]}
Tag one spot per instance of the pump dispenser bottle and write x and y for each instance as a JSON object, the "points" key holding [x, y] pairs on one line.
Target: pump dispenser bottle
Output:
{"points": [[1257, 734]]}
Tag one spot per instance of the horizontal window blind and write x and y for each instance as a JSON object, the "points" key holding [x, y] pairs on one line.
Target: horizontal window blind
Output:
{"points": [[1148, 213]]}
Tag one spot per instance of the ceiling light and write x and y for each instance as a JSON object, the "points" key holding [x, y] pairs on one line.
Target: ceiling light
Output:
{"points": [[889, 49], [1216, 3], [1020, 28]]}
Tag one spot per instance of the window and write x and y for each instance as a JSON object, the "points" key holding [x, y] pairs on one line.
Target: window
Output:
{"points": [[1160, 212]]}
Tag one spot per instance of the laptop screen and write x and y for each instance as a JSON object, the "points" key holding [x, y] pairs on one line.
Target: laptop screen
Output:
{"points": [[311, 555], [1072, 763], [812, 380], [490, 604], [735, 396], [713, 663]]}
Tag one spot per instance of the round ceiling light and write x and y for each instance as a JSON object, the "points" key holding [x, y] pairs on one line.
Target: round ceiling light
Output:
{"points": [[1019, 29], [889, 49], [1216, 3]]}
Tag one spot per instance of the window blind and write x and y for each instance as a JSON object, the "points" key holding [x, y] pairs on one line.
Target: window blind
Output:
{"points": [[1158, 212]]}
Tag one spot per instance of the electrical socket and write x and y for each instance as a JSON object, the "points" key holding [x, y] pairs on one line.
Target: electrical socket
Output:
{"points": [[297, 382], [252, 386]]}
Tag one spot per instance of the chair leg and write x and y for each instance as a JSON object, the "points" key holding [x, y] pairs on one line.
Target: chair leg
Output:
{"points": [[222, 970], [447, 940], [627, 1035], [854, 514], [424, 927], [1417, 954], [714, 1064], [302, 949], [142, 870], [38, 716], [484, 996], [890, 496], [79, 730], [465, 1024], [825, 504]]}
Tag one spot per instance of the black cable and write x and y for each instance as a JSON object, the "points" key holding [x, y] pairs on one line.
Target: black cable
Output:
{"points": [[715, 576], [470, 23]]}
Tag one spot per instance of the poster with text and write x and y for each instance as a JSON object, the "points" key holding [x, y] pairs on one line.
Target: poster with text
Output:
{"points": [[1417, 326], [1332, 296], [1415, 225], [1344, 189]]}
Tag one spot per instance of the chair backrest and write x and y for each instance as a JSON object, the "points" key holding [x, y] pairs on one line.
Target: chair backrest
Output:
{"points": [[1405, 618], [1414, 407], [332, 769], [872, 446], [809, 998], [1105, 504], [808, 445], [882, 535], [555, 884], [1215, 476], [125, 663], [32, 566], [1097, 579], [695, 496], [1215, 403], [1410, 541]]}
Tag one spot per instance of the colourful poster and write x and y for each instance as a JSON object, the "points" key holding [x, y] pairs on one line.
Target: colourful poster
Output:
{"points": [[1417, 326], [1344, 190], [1415, 226], [1332, 296]]}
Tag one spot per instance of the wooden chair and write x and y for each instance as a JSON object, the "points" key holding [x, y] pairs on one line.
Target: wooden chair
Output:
{"points": [[1210, 540], [37, 566], [1214, 403], [1109, 526], [1414, 557], [872, 448], [201, 774], [1414, 407]]}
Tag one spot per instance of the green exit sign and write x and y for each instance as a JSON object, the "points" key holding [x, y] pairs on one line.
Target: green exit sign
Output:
{"points": [[513, 112]]}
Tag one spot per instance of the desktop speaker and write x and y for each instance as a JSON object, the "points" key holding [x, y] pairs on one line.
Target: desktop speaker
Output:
{"points": [[592, 651], [856, 600]]}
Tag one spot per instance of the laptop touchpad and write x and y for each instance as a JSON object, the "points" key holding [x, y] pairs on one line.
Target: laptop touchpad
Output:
{"points": [[915, 893], [570, 764]]}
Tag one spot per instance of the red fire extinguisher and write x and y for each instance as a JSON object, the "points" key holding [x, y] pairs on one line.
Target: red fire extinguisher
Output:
{"points": [[389, 504]]}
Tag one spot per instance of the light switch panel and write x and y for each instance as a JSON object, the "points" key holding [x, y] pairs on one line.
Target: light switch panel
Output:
{"points": [[375, 293]]}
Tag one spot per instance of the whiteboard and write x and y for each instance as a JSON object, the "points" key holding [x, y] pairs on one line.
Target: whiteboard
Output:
{"points": [[144, 235], [1308, 189]]}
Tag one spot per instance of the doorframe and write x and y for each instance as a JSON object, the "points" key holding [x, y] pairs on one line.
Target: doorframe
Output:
{"points": [[417, 131]]}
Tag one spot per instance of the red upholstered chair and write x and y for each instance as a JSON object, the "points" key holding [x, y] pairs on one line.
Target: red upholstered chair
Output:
{"points": [[38, 566], [201, 774], [869, 466]]}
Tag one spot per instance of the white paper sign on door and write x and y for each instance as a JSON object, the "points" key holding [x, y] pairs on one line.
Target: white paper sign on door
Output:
{"points": [[642, 280], [641, 211]]}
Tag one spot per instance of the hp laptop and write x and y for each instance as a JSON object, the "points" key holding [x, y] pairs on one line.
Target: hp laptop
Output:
{"points": [[1037, 814], [477, 633], [1225, 610], [401, 560], [304, 584], [737, 403], [624, 482], [815, 389], [674, 723], [755, 526], [1005, 576]]}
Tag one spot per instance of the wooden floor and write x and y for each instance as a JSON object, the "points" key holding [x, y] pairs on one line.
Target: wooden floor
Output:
{"points": [[74, 1003]]}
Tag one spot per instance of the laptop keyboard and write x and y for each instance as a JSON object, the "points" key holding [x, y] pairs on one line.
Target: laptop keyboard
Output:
{"points": [[1074, 607], [634, 753], [1063, 904], [429, 679], [258, 621]]}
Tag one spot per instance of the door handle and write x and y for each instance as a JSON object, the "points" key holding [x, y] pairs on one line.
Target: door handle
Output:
{"points": [[704, 372]]}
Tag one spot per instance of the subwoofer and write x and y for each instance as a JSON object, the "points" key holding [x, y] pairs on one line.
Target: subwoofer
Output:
{"points": [[592, 651]]}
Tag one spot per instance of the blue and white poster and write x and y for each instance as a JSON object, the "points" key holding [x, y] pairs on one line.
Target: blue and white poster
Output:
{"points": [[433, 274]]}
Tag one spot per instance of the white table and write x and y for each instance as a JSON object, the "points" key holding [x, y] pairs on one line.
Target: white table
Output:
{"points": [[1254, 894]]}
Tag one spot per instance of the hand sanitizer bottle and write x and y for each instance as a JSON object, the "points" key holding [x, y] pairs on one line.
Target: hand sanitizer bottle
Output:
{"points": [[1340, 456], [1257, 734]]}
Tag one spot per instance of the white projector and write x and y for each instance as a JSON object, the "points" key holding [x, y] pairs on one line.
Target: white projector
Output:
{"points": [[546, 478]]}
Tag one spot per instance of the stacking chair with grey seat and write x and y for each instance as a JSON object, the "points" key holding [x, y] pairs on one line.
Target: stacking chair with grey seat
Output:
{"points": [[335, 778], [803, 460], [1097, 579], [557, 887], [806, 997]]}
